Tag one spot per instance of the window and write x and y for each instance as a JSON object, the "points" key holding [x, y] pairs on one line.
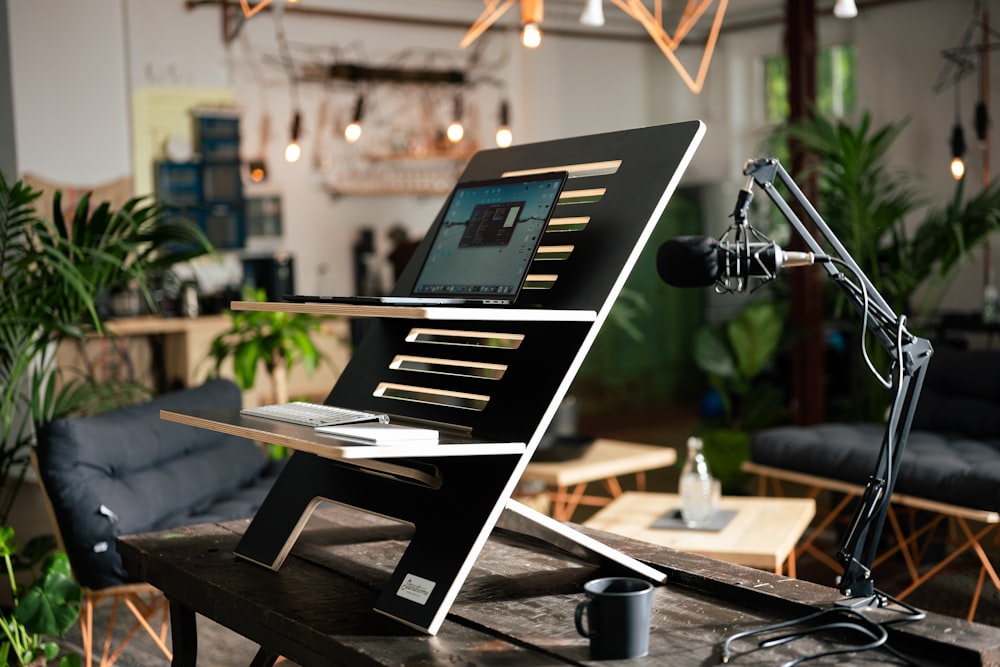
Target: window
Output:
{"points": [[835, 86]]}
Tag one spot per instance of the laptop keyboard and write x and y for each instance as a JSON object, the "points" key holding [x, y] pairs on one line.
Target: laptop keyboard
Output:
{"points": [[313, 414]]}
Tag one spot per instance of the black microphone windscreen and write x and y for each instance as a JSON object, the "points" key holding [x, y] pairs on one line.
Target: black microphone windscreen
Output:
{"points": [[688, 261]]}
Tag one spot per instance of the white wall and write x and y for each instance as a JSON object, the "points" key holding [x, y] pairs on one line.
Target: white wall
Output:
{"points": [[68, 77], [75, 64], [900, 73]]}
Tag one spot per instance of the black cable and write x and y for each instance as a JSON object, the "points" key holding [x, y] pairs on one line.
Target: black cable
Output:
{"points": [[855, 622]]}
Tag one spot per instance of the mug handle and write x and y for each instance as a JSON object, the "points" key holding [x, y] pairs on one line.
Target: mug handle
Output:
{"points": [[580, 609]]}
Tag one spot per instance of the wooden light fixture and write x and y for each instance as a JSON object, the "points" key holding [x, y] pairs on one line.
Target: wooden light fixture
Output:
{"points": [[651, 21], [251, 9]]}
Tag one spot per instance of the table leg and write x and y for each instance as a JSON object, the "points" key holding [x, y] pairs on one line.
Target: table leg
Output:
{"points": [[184, 635], [264, 658], [565, 503], [640, 480]]}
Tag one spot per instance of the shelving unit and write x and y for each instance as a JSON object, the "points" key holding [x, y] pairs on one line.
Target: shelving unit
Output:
{"points": [[490, 379], [391, 174]]}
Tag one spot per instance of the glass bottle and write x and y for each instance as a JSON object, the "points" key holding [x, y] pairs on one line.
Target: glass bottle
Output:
{"points": [[699, 497]]}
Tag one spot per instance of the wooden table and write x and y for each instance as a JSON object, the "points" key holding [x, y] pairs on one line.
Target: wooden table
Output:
{"points": [[604, 461], [516, 606], [761, 534]]}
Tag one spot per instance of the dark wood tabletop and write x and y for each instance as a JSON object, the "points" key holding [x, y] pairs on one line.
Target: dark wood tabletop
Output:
{"points": [[516, 607]]}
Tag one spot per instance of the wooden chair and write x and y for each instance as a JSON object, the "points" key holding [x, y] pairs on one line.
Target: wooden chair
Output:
{"points": [[146, 604]]}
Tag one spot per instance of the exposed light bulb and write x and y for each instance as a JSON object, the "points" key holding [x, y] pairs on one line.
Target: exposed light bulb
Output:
{"points": [[352, 132], [593, 13], [293, 151], [957, 168], [455, 132], [531, 35], [957, 151], [504, 137], [845, 9], [258, 170]]}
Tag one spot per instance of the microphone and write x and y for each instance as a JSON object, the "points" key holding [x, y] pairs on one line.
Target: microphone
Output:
{"points": [[700, 261]]}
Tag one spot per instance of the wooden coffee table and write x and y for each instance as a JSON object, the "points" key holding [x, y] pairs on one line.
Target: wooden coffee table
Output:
{"points": [[605, 461], [761, 534]]}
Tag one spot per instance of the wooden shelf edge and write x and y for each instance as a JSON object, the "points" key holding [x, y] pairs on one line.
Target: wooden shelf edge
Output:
{"points": [[304, 438], [422, 312]]}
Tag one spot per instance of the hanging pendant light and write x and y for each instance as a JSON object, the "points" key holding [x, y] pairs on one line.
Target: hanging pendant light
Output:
{"points": [[504, 136], [532, 12], [353, 130], [957, 152], [455, 130], [293, 151], [593, 13], [845, 9]]}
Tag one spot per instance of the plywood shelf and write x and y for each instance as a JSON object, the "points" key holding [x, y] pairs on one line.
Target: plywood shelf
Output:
{"points": [[484, 314]]}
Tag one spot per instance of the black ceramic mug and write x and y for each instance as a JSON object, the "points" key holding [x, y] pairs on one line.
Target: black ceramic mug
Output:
{"points": [[618, 612]]}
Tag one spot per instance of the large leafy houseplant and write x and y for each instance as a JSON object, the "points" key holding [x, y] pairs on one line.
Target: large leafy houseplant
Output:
{"points": [[53, 272], [901, 239], [44, 609], [910, 247]]}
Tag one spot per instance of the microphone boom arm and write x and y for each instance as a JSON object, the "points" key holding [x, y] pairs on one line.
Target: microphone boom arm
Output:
{"points": [[910, 356]]}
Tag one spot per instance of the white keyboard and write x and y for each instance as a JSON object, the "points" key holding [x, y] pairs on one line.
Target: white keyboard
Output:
{"points": [[313, 414]]}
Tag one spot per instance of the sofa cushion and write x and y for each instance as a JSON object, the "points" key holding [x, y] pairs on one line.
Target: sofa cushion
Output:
{"points": [[953, 452], [128, 471], [945, 467], [961, 393]]}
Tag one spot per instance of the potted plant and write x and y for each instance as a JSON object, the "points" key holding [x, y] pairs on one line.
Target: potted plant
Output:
{"points": [[273, 340], [53, 273], [44, 609], [735, 356]]}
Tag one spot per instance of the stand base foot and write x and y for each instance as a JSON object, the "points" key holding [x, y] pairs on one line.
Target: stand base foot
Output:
{"points": [[559, 532]]}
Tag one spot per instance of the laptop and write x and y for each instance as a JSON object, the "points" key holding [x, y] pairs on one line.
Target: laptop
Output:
{"points": [[482, 244]]}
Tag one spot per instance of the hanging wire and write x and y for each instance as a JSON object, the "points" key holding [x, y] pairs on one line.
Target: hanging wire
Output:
{"points": [[285, 53]]}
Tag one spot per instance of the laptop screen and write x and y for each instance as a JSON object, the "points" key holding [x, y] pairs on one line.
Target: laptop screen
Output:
{"points": [[487, 237]]}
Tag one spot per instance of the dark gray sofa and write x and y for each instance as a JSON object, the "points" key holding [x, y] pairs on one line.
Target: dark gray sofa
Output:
{"points": [[127, 471], [953, 453]]}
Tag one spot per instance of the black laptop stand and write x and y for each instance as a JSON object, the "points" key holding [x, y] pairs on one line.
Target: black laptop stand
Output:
{"points": [[489, 379]]}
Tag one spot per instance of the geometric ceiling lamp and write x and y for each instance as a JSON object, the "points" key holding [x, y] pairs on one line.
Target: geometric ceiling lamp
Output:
{"points": [[651, 21], [251, 9], [693, 11]]}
